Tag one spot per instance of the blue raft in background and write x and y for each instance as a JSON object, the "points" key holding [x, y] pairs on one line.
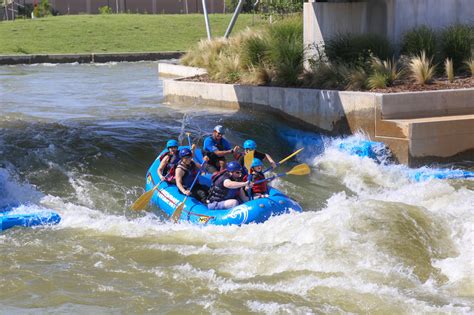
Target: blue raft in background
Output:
{"points": [[167, 197], [11, 216]]}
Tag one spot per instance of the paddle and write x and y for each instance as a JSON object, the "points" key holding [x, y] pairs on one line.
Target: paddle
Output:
{"points": [[301, 169], [179, 209], [248, 159], [189, 139], [144, 199], [284, 160]]}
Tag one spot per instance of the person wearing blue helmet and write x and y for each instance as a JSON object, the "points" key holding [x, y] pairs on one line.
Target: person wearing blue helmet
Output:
{"points": [[227, 188], [186, 172], [216, 147], [259, 190], [251, 145], [168, 161]]}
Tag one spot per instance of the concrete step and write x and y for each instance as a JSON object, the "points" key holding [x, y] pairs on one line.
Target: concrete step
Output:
{"points": [[442, 136]]}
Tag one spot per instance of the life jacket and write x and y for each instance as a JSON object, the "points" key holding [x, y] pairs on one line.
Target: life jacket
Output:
{"points": [[218, 191], [190, 173], [170, 168], [260, 188]]}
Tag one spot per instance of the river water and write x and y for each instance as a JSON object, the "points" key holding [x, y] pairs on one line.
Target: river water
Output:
{"points": [[79, 138]]}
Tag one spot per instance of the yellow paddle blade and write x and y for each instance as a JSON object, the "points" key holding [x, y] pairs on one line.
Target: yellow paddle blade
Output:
{"points": [[143, 200], [177, 213], [302, 169], [290, 156], [248, 159]]}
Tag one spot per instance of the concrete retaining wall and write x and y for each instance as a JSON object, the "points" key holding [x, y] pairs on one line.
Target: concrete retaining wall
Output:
{"points": [[86, 58]]}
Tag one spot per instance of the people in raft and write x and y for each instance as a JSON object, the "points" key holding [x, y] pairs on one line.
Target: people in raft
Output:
{"points": [[216, 147], [186, 172], [227, 188], [251, 145], [168, 161], [259, 190]]}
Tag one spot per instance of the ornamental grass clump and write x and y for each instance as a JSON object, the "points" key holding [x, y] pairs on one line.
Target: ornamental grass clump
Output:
{"points": [[384, 73], [456, 43], [421, 69], [419, 39], [470, 66], [449, 69], [286, 51]]}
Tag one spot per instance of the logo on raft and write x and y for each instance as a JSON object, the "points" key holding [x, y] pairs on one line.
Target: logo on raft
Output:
{"points": [[240, 212]]}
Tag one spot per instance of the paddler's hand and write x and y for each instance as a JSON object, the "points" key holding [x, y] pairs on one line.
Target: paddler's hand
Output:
{"points": [[248, 184], [273, 164], [206, 158], [187, 192], [236, 149], [193, 147]]}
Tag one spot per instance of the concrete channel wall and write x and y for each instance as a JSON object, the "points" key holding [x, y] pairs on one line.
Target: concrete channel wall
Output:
{"points": [[87, 58], [415, 125]]}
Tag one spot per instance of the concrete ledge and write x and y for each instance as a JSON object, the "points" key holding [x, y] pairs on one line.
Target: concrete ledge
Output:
{"points": [[340, 112], [410, 105], [179, 70], [86, 58]]}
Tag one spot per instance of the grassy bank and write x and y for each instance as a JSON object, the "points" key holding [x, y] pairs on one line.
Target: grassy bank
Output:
{"points": [[111, 33]]}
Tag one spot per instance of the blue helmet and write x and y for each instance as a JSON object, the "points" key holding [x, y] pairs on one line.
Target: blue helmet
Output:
{"points": [[256, 162], [219, 129], [172, 143], [234, 166], [185, 152], [250, 144]]}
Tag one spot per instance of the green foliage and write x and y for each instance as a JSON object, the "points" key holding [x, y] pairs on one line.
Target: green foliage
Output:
{"points": [[456, 43], [280, 7], [417, 40], [254, 51], [327, 76], [357, 49], [44, 8], [286, 51], [105, 10]]}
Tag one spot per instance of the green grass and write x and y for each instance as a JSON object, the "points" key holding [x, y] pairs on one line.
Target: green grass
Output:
{"points": [[111, 33]]}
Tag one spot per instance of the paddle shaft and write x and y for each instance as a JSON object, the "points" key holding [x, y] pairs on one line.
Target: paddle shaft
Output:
{"points": [[284, 160]]}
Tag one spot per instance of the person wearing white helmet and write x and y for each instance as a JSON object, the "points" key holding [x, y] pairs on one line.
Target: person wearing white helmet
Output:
{"points": [[216, 147]]}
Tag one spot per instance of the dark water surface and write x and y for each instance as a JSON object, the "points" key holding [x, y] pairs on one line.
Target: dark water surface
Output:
{"points": [[79, 138]]}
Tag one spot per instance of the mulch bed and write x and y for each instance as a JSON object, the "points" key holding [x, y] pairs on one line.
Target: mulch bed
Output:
{"points": [[399, 86]]}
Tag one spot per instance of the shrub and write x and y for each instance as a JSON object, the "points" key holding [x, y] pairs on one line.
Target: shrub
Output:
{"points": [[227, 68], [470, 65], [419, 39], [449, 69], [421, 69], [254, 51], [105, 10], [286, 51], [456, 43], [357, 49], [327, 76], [357, 79], [387, 69]]}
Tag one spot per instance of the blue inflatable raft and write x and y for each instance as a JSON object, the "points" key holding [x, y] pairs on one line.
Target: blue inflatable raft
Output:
{"points": [[11, 216], [167, 197]]}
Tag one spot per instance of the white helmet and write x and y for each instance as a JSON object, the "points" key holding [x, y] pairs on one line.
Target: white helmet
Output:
{"points": [[219, 129]]}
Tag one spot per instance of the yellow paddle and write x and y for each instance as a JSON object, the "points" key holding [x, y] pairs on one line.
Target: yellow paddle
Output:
{"points": [[248, 159], [301, 169], [144, 200], [285, 159]]}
